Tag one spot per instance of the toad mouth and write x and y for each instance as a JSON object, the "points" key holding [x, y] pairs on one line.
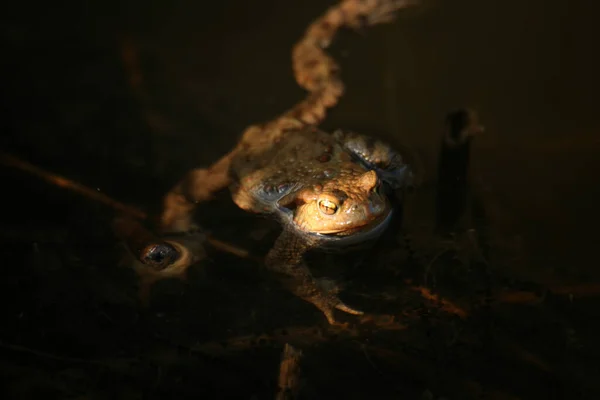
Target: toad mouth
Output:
{"points": [[358, 234]]}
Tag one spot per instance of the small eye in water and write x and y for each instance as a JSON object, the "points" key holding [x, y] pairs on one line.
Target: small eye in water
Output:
{"points": [[328, 207]]}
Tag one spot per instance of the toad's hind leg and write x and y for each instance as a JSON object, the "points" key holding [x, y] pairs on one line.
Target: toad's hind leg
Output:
{"points": [[197, 186], [286, 258]]}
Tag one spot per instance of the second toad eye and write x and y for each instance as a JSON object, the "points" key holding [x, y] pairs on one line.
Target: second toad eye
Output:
{"points": [[328, 207]]}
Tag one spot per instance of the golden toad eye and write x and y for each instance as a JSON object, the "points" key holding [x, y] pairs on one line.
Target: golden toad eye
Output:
{"points": [[328, 207]]}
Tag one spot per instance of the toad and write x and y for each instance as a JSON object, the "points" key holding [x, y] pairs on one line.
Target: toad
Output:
{"points": [[327, 190]]}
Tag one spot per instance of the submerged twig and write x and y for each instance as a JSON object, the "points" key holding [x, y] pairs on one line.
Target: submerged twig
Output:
{"points": [[95, 195], [444, 304], [38, 353], [363, 347], [429, 267], [61, 181], [231, 249]]}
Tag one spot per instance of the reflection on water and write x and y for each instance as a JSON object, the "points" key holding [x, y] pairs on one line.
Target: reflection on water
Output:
{"points": [[124, 97]]}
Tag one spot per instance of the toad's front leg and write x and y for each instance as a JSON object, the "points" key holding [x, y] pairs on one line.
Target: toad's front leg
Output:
{"points": [[391, 166], [286, 258]]}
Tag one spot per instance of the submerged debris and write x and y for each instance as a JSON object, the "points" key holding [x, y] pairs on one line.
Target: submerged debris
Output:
{"points": [[289, 373]]}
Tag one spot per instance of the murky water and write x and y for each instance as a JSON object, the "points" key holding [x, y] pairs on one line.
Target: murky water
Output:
{"points": [[126, 97]]}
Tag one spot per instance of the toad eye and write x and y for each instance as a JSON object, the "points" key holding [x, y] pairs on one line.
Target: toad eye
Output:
{"points": [[328, 207]]}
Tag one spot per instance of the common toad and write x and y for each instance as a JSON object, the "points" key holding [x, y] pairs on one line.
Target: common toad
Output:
{"points": [[325, 189]]}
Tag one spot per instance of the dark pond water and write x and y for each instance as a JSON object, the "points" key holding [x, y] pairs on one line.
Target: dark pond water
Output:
{"points": [[126, 96]]}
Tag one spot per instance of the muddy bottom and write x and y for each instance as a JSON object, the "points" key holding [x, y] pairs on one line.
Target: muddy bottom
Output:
{"points": [[443, 319]]}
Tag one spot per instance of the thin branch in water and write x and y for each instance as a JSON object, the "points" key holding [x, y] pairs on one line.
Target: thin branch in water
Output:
{"points": [[63, 182]]}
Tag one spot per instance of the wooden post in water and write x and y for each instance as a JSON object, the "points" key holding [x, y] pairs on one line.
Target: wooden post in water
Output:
{"points": [[453, 168]]}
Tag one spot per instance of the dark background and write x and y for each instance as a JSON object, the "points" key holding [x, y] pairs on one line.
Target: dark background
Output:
{"points": [[126, 96]]}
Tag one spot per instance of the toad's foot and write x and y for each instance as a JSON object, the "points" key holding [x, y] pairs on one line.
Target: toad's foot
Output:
{"points": [[327, 300], [387, 10], [286, 258], [373, 12]]}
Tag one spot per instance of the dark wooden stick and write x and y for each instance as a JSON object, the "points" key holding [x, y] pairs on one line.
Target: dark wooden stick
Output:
{"points": [[453, 167]]}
